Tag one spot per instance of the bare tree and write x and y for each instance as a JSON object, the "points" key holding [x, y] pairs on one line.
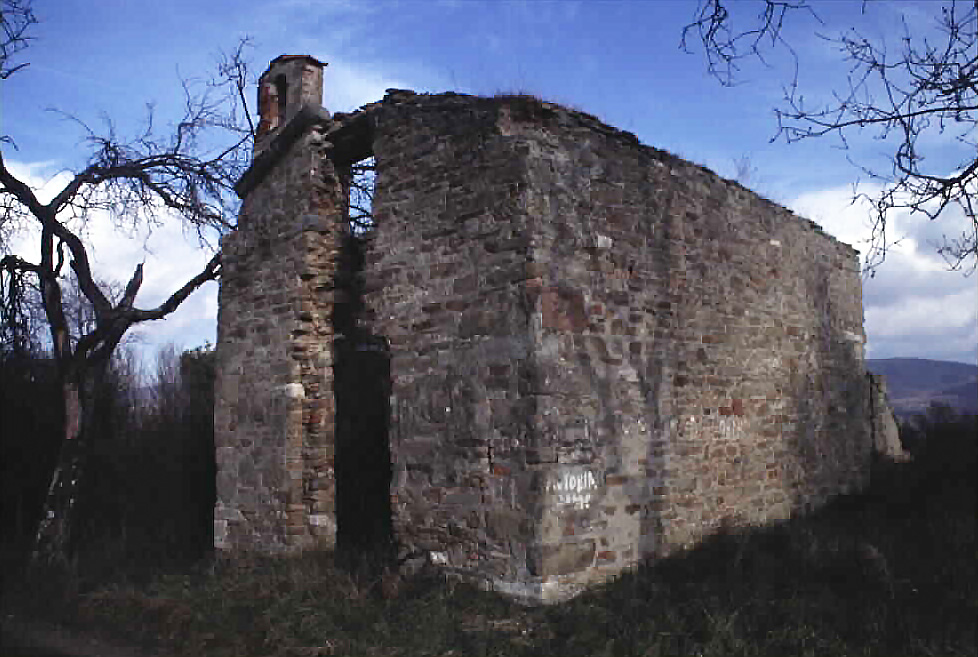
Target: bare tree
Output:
{"points": [[927, 86], [16, 17], [188, 172], [361, 186], [19, 314]]}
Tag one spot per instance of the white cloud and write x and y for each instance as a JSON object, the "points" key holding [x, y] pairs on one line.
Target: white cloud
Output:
{"points": [[914, 306], [918, 314], [169, 257], [911, 238], [343, 34], [347, 86], [833, 210]]}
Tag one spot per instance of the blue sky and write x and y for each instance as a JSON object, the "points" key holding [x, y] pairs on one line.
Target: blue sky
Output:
{"points": [[618, 60]]}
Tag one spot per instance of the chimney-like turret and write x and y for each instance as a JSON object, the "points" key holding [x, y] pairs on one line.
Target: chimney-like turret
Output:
{"points": [[291, 82]]}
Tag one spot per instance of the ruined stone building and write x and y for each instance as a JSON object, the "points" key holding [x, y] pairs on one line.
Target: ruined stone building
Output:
{"points": [[557, 353]]}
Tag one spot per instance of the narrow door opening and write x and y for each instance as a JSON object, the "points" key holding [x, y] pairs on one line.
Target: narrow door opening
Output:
{"points": [[361, 369]]}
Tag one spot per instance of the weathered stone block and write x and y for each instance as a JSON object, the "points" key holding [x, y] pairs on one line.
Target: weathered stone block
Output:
{"points": [[551, 560]]}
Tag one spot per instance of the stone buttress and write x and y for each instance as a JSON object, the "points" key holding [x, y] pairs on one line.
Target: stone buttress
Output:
{"points": [[274, 399]]}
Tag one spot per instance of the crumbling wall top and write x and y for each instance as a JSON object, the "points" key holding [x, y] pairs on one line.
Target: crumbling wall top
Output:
{"points": [[295, 82], [527, 108]]}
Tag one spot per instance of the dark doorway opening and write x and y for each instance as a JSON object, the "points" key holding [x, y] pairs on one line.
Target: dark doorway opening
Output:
{"points": [[361, 368]]}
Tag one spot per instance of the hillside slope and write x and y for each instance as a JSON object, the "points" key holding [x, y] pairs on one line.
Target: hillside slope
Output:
{"points": [[915, 383]]}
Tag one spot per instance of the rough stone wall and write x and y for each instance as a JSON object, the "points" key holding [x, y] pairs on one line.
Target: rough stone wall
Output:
{"points": [[445, 275], [274, 398], [886, 433], [698, 348], [599, 352]]}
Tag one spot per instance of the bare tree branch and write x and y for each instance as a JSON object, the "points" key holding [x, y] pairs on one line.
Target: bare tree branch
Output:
{"points": [[927, 87], [210, 272], [361, 184], [16, 17], [187, 171], [725, 47]]}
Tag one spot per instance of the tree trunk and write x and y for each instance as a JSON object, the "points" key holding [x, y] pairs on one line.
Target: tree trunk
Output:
{"points": [[53, 541]]}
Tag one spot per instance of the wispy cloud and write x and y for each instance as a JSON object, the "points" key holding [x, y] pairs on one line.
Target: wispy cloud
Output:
{"points": [[347, 87], [913, 305]]}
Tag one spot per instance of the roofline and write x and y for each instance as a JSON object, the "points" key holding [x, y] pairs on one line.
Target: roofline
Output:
{"points": [[282, 58]]}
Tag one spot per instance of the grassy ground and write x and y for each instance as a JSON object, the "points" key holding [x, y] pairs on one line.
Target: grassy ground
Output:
{"points": [[889, 573]]}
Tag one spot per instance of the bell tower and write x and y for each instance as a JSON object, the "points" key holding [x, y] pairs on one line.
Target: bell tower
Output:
{"points": [[275, 417], [290, 83]]}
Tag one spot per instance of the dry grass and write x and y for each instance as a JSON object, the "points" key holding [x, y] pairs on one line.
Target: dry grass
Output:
{"points": [[891, 572]]}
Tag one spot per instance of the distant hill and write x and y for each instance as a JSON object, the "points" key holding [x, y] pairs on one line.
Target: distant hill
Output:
{"points": [[914, 383]]}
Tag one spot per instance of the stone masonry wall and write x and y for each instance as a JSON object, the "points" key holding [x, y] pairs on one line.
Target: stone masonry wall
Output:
{"points": [[600, 352], [274, 401], [886, 433], [445, 277], [698, 349]]}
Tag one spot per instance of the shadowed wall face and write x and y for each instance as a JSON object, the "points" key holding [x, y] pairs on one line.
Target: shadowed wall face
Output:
{"points": [[447, 286], [361, 371], [585, 351]]}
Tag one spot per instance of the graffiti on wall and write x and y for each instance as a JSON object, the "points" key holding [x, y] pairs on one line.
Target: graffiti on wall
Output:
{"points": [[573, 486]]}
